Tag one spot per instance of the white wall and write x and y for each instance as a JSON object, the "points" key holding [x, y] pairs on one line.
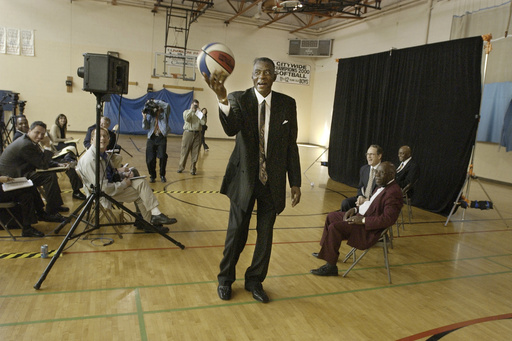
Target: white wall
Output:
{"points": [[64, 30]]}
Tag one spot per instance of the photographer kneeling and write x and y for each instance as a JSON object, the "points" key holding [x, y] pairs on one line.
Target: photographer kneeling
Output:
{"points": [[118, 184], [155, 117]]}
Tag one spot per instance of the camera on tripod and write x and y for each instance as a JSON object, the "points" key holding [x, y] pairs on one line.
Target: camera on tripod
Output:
{"points": [[151, 108]]}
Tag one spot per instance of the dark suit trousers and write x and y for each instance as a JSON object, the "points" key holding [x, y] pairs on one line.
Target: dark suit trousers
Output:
{"points": [[236, 237], [25, 211], [51, 188], [156, 147], [335, 231], [74, 179], [348, 203]]}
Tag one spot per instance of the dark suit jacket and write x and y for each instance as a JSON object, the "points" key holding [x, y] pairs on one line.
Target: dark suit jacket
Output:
{"points": [[364, 176], [408, 175], [22, 157], [17, 135], [282, 150], [382, 213], [88, 136]]}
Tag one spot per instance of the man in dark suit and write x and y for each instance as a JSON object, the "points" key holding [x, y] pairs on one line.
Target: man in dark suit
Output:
{"points": [[256, 170], [366, 175], [104, 123], [361, 226], [21, 159], [407, 172], [21, 126], [25, 211]]}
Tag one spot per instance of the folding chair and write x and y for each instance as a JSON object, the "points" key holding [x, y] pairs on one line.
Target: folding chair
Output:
{"points": [[7, 207], [407, 202], [383, 242], [104, 211]]}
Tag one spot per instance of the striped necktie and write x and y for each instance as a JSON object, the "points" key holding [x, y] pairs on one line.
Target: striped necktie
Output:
{"points": [[368, 190], [263, 163]]}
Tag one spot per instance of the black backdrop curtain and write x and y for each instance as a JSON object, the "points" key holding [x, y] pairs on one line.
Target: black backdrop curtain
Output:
{"points": [[427, 97]]}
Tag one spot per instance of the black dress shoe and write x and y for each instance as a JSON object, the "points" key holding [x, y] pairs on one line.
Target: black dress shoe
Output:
{"points": [[62, 209], [161, 229], [193, 173], [79, 195], [152, 180], [258, 293], [224, 292], [326, 270], [162, 219], [53, 218], [315, 254], [180, 170], [163, 178], [29, 231]]}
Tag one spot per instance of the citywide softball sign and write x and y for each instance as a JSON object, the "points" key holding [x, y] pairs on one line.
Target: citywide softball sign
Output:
{"points": [[292, 73]]}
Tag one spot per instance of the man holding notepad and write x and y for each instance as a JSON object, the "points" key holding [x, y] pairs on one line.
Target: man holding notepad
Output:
{"points": [[120, 184], [26, 198], [26, 155]]}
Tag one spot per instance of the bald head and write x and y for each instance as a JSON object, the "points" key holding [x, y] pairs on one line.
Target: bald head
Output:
{"points": [[404, 153], [385, 173]]}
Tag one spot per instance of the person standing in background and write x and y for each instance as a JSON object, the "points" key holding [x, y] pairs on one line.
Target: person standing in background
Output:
{"points": [[155, 118], [191, 140], [204, 128]]}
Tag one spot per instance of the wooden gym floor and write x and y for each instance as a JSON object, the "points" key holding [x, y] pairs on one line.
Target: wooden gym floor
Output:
{"points": [[143, 287]]}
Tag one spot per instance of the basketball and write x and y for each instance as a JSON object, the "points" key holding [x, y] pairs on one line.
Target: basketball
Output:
{"points": [[215, 57]]}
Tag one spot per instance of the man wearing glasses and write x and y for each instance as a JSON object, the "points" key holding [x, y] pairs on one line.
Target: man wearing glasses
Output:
{"points": [[366, 179]]}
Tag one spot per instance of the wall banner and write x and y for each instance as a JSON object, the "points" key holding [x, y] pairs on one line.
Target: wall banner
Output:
{"points": [[292, 73]]}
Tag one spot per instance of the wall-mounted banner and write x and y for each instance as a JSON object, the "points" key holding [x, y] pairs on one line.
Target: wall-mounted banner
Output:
{"points": [[292, 73]]}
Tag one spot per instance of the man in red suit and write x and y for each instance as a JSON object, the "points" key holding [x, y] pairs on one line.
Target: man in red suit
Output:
{"points": [[361, 226]]}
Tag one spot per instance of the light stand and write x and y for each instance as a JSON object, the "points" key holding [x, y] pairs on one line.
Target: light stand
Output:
{"points": [[94, 199], [471, 175]]}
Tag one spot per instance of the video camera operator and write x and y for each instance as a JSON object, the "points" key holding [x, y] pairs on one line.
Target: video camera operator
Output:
{"points": [[155, 118]]}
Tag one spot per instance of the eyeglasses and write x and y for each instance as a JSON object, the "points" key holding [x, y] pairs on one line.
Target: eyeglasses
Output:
{"points": [[378, 172], [370, 154], [264, 72]]}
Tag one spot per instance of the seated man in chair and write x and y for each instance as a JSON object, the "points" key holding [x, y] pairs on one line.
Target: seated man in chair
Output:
{"points": [[119, 185], [408, 171], [361, 226], [24, 156], [366, 184]]}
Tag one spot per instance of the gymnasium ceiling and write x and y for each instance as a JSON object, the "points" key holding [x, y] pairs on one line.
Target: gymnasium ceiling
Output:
{"points": [[311, 17]]}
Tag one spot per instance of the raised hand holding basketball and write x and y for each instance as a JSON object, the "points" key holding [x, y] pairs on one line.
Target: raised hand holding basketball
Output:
{"points": [[216, 83]]}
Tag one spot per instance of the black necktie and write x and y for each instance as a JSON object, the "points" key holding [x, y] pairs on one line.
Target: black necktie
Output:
{"points": [[263, 167]]}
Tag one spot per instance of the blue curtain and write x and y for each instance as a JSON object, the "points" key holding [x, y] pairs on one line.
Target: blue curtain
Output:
{"points": [[495, 102], [506, 136], [130, 121]]}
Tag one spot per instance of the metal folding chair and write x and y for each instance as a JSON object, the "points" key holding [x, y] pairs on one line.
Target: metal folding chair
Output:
{"points": [[6, 206], [383, 242]]}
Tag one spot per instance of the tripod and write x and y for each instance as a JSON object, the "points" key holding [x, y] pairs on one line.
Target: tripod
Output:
{"points": [[471, 175], [94, 200]]}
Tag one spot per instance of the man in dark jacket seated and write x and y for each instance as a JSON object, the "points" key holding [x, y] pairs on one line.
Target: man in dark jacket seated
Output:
{"points": [[407, 172], [21, 159], [26, 213], [361, 226]]}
